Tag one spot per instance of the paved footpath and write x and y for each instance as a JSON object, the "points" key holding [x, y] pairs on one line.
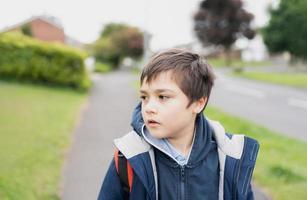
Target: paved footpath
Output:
{"points": [[106, 116]]}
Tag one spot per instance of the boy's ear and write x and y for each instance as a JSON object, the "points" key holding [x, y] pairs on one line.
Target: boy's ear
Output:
{"points": [[200, 104]]}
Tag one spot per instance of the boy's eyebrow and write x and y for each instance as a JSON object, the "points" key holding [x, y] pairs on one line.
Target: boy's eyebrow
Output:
{"points": [[158, 91]]}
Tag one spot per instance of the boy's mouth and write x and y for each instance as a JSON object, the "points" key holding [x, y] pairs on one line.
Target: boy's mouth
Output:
{"points": [[152, 122]]}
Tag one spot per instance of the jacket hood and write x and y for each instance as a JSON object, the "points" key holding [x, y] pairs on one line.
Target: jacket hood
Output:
{"points": [[204, 141], [137, 119]]}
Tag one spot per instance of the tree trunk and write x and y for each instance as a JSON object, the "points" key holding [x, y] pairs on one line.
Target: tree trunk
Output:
{"points": [[228, 59]]}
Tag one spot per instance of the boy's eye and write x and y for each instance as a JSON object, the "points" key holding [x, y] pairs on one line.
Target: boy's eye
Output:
{"points": [[143, 97], [162, 97]]}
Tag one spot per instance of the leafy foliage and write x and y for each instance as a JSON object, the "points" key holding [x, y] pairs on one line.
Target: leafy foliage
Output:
{"points": [[112, 28], [287, 28], [116, 42], [24, 58], [26, 29], [222, 22]]}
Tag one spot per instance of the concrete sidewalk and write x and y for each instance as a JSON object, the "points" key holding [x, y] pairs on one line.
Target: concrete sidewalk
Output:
{"points": [[107, 116]]}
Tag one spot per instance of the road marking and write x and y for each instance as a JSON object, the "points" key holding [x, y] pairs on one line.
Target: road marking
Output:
{"points": [[297, 102], [246, 91]]}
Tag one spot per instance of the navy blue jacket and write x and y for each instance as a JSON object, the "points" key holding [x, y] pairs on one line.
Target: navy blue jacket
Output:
{"points": [[236, 160]]}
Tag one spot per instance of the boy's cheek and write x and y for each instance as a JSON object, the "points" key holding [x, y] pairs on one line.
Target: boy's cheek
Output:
{"points": [[142, 112]]}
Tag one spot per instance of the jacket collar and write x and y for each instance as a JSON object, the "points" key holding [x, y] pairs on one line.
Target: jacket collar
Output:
{"points": [[141, 157], [203, 136], [206, 130]]}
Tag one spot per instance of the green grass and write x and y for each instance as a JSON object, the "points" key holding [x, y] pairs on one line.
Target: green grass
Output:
{"points": [[136, 71], [219, 62], [102, 67], [281, 167], [290, 79], [35, 128]]}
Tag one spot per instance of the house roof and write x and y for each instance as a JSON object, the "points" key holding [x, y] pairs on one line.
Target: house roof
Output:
{"points": [[49, 19]]}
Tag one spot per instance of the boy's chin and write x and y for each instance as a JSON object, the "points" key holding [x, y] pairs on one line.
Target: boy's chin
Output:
{"points": [[157, 134]]}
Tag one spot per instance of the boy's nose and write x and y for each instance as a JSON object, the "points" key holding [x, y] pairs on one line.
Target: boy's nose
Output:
{"points": [[150, 108], [150, 111]]}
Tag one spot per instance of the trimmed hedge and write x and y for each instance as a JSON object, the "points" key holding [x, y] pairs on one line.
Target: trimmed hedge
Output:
{"points": [[24, 58]]}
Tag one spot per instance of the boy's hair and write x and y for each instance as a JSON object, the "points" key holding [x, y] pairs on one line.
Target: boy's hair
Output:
{"points": [[193, 75]]}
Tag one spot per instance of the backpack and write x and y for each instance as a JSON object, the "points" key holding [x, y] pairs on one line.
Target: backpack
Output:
{"points": [[125, 172]]}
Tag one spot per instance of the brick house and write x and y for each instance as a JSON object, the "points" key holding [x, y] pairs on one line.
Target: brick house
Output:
{"points": [[44, 28]]}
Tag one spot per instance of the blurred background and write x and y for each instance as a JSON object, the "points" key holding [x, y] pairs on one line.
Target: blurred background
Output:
{"points": [[69, 78]]}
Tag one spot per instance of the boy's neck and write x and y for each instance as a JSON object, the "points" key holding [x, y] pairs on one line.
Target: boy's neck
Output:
{"points": [[183, 143]]}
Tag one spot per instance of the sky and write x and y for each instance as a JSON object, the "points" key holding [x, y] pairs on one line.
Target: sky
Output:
{"points": [[170, 22]]}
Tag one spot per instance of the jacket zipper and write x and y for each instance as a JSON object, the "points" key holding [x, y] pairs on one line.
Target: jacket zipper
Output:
{"points": [[182, 192]]}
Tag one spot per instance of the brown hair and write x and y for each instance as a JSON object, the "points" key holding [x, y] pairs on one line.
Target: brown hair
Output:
{"points": [[193, 75]]}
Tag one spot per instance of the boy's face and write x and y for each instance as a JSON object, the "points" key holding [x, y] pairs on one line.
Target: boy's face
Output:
{"points": [[164, 103]]}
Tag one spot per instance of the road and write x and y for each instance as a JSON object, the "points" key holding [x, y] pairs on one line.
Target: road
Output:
{"points": [[280, 108]]}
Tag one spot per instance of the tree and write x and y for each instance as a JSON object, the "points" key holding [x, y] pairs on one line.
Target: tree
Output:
{"points": [[222, 22], [118, 41], [26, 30], [105, 51], [130, 41], [112, 28], [287, 28]]}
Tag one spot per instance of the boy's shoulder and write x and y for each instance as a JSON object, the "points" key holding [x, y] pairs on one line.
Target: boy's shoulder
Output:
{"points": [[232, 144], [131, 144]]}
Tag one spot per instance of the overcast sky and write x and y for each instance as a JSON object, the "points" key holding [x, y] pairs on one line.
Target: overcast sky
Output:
{"points": [[169, 21]]}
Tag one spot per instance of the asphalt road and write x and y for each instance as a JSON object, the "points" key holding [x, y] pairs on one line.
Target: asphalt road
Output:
{"points": [[280, 108]]}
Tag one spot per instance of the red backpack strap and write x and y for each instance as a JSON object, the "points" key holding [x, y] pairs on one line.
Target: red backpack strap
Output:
{"points": [[124, 171]]}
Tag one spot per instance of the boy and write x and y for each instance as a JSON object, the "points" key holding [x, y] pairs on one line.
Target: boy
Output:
{"points": [[174, 152]]}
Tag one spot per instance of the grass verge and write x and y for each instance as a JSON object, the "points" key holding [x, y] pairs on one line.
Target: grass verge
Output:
{"points": [[289, 79], [35, 127], [102, 67], [219, 62], [282, 162]]}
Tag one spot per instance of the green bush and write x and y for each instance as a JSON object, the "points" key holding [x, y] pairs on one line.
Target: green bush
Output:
{"points": [[24, 58]]}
